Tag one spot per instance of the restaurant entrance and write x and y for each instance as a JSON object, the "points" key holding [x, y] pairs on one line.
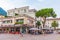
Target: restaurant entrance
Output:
{"points": [[4, 30], [17, 29], [23, 30]]}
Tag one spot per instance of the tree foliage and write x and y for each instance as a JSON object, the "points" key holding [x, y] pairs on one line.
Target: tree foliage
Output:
{"points": [[47, 12], [19, 23], [38, 24], [44, 13], [54, 24]]}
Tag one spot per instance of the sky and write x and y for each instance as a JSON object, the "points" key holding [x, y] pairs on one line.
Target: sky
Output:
{"points": [[37, 4]]}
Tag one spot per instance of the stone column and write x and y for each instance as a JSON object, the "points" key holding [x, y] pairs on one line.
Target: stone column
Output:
{"points": [[26, 30], [9, 29], [21, 29]]}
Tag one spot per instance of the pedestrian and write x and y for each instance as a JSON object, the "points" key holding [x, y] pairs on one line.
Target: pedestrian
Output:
{"points": [[21, 34]]}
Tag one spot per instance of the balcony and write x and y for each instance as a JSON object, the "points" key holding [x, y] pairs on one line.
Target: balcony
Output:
{"points": [[19, 22]]}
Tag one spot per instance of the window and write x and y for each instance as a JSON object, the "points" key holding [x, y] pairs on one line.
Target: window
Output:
{"points": [[16, 14], [18, 11], [24, 10], [11, 21], [4, 21], [21, 10], [9, 13], [19, 21], [7, 21], [12, 29]]}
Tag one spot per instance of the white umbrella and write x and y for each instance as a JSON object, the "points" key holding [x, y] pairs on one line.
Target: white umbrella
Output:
{"points": [[34, 29], [48, 28]]}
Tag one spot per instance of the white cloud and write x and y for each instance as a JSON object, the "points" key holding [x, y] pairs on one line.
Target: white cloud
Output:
{"points": [[6, 4], [9, 4]]}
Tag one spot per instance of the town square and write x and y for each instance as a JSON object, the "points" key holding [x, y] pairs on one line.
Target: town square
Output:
{"points": [[29, 20], [29, 37]]}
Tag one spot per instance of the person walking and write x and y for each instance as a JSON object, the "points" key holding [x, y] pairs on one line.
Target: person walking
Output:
{"points": [[21, 34]]}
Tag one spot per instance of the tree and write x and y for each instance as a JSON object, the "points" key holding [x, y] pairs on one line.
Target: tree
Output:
{"points": [[54, 24], [44, 13], [38, 24]]}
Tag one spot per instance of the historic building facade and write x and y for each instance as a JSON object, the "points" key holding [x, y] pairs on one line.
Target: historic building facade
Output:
{"points": [[17, 23], [50, 20], [21, 10]]}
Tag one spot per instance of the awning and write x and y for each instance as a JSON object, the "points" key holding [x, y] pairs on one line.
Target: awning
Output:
{"points": [[16, 25]]}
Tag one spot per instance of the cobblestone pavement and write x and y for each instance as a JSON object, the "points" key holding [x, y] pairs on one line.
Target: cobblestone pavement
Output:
{"points": [[29, 37]]}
